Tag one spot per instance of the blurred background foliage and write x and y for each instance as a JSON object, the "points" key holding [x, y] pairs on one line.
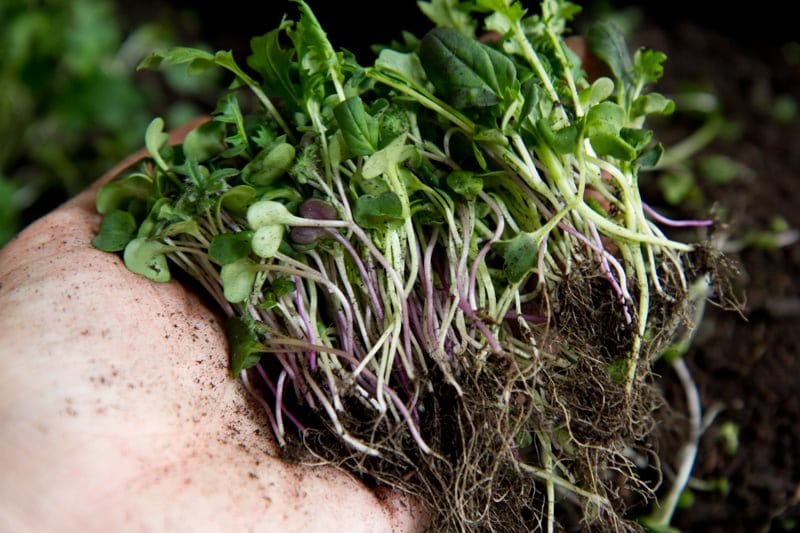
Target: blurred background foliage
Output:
{"points": [[71, 101]]}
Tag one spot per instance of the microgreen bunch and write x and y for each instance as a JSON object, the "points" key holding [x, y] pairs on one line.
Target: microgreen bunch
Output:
{"points": [[398, 247]]}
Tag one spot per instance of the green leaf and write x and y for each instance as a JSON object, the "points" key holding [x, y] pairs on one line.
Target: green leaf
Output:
{"points": [[226, 248], [237, 280], [237, 199], [650, 157], [115, 194], [268, 213], [275, 65], [607, 42], [564, 140], [266, 240], [204, 141], [604, 122], [609, 144], [652, 104], [116, 231], [375, 212], [520, 256], [465, 72], [465, 183], [229, 112], [244, 345], [600, 89], [359, 128], [269, 165], [407, 66], [146, 257], [636, 137], [179, 55], [387, 158], [155, 139], [451, 14], [648, 65]]}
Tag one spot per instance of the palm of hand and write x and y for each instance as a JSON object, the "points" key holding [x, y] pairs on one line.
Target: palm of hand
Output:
{"points": [[117, 409]]}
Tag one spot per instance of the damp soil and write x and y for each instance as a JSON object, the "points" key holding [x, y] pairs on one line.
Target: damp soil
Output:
{"points": [[745, 364]]}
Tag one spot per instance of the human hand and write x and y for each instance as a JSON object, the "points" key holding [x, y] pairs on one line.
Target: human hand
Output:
{"points": [[117, 410]]}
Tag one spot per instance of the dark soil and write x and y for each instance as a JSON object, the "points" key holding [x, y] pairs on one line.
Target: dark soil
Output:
{"points": [[748, 365]]}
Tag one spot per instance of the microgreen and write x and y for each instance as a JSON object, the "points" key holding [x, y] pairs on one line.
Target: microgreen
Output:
{"points": [[394, 244]]}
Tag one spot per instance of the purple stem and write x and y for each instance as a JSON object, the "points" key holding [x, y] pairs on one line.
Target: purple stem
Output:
{"points": [[368, 279], [652, 213], [273, 390], [301, 309]]}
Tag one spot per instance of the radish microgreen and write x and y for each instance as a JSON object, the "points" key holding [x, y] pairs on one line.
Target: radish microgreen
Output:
{"points": [[407, 249]]}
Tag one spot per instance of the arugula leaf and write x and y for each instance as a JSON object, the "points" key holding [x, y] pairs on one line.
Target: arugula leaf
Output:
{"points": [[359, 128], [275, 65], [648, 65], [466, 72]]}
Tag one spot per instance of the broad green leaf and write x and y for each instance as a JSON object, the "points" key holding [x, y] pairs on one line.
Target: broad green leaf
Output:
{"points": [[114, 195], [465, 183], [237, 279], [520, 256], [652, 104], [237, 199], [146, 257], [451, 14], [600, 89], [606, 41], [269, 165], [375, 212], [244, 345], [465, 72], [226, 248], [359, 128], [116, 231], [267, 239], [610, 144]]}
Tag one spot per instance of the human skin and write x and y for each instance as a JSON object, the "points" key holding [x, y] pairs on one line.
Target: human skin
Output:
{"points": [[118, 412]]}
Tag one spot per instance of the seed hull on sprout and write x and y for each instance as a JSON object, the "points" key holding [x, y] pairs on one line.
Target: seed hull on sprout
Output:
{"points": [[438, 271]]}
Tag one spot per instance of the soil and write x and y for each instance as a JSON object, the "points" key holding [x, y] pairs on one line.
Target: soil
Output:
{"points": [[745, 364]]}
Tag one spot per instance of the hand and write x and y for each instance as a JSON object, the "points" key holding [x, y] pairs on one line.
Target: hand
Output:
{"points": [[117, 410]]}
